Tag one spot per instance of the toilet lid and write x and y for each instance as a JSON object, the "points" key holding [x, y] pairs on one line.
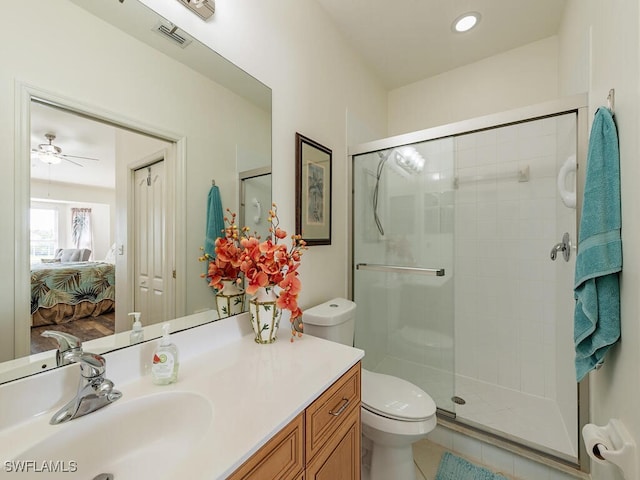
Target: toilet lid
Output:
{"points": [[395, 398]]}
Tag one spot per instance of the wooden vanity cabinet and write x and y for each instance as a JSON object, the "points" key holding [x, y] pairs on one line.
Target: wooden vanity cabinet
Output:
{"points": [[322, 443], [340, 457], [281, 458]]}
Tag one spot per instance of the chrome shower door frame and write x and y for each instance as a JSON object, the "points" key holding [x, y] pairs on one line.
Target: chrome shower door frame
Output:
{"points": [[577, 104]]}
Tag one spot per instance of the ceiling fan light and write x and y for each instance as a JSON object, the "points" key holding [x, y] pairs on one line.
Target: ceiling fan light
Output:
{"points": [[50, 149], [49, 158]]}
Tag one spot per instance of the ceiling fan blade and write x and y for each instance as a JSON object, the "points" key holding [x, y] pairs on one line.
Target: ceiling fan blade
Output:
{"points": [[84, 158], [71, 161]]}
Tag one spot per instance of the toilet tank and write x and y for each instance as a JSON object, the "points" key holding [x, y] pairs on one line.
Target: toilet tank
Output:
{"points": [[333, 320]]}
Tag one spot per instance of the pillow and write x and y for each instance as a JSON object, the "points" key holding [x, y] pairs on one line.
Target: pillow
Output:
{"points": [[73, 255], [50, 260]]}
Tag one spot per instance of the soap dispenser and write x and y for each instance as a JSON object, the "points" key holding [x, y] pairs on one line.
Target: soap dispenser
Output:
{"points": [[165, 360], [137, 334]]}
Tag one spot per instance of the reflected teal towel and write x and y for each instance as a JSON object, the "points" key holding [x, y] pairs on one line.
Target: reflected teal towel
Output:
{"points": [[599, 260], [215, 220]]}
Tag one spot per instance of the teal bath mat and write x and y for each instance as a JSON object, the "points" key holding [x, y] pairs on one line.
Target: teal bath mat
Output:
{"points": [[456, 468]]}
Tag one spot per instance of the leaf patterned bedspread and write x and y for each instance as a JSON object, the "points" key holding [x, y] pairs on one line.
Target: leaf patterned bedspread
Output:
{"points": [[71, 284]]}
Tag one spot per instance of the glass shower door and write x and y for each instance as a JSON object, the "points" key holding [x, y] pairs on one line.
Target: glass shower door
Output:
{"points": [[487, 206], [255, 200], [403, 257]]}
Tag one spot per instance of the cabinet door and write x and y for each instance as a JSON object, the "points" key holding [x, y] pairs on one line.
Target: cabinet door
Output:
{"points": [[339, 459], [324, 416], [280, 459]]}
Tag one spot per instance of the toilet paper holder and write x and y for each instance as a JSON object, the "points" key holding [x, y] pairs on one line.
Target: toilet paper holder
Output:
{"points": [[612, 443]]}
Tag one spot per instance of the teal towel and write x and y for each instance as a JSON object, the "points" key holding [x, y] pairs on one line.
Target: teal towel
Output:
{"points": [[215, 220], [599, 260]]}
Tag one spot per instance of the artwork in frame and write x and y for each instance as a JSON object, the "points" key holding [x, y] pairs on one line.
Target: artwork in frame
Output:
{"points": [[313, 191]]}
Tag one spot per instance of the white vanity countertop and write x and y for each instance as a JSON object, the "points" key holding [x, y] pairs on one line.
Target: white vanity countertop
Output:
{"points": [[255, 390]]}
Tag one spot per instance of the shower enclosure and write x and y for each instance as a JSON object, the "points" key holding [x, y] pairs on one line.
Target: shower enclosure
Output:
{"points": [[453, 233], [255, 200]]}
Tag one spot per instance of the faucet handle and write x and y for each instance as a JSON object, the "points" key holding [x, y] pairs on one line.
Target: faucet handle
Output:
{"points": [[92, 365], [66, 343]]}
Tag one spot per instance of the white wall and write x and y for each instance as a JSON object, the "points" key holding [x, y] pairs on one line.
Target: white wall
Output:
{"points": [[207, 114], [320, 89], [599, 50], [517, 78]]}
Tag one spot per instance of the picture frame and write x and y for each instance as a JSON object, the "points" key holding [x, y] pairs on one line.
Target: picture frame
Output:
{"points": [[313, 191]]}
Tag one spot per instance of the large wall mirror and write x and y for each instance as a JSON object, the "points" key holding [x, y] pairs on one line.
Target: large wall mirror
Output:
{"points": [[141, 119]]}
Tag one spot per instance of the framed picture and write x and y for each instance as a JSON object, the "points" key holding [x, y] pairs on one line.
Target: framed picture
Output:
{"points": [[313, 191]]}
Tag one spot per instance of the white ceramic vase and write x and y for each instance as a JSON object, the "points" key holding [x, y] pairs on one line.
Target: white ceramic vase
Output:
{"points": [[230, 300], [265, 316]]}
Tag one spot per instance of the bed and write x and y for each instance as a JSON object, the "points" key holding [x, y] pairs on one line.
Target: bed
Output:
{"points": [[63, 292]]}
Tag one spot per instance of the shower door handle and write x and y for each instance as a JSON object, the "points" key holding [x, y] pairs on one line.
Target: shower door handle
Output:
{"points": [[564, 246], [438, 272]]}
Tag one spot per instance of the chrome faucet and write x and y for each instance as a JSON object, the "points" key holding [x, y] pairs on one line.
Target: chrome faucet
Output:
{"points": [[94, 390], [68, 346]]}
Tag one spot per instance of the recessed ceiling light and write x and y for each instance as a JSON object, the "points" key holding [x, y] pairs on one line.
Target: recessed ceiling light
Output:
{"points": [[465, 22]]}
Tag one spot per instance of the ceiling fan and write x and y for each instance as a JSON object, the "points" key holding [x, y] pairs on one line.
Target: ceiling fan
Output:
{"points": [[52, 154]]}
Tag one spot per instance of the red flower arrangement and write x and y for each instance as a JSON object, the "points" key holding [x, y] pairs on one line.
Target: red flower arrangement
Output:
{"points": [[270, 263], [265, 263], [226, 264]]}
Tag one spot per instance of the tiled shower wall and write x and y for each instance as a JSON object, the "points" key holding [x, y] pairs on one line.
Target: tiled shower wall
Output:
{"points": [[505, 282]]}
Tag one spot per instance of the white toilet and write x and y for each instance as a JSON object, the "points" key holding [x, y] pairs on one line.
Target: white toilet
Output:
{"points": [[395, 413]]}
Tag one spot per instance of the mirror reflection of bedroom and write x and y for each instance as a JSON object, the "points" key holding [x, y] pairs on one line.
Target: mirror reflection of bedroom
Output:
{"points": [[76, 219]]}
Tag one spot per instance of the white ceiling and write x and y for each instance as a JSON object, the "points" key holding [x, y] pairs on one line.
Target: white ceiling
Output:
{"points": [[78, 136], [404, 41]]}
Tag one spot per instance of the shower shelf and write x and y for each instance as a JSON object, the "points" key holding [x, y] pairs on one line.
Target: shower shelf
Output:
{"points": [[438, 272], [522, 175]]}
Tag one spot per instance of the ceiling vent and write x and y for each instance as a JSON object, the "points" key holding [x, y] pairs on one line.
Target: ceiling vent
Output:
{"points": [[203, 8], [173, 33]]}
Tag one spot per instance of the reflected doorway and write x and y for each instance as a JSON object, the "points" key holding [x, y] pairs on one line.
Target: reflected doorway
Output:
{"points": [[80, 163]]}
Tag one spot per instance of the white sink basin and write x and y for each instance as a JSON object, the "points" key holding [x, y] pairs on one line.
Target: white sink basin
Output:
{"points": [[132, 440]]}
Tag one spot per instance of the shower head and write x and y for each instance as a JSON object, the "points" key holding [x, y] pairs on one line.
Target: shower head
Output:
{"points": [[383, 155], [408, 158], [406, 161]]}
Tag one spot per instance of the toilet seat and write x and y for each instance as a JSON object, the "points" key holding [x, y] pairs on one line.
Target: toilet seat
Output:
{"points": [[389, 431], [395, 398]]}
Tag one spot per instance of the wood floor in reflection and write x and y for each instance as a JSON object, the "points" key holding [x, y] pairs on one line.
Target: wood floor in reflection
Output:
{"points": [[85, 329]]}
